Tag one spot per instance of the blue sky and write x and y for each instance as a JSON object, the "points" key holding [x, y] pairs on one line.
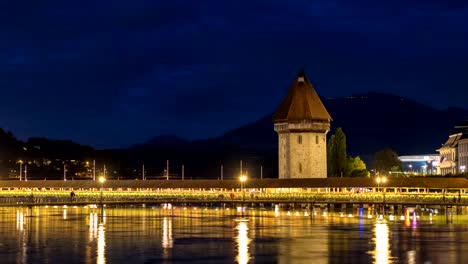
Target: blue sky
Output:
{"points": [[114, 73]]}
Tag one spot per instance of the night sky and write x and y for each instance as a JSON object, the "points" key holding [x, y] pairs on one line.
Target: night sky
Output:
{"points": [[113, 73]]}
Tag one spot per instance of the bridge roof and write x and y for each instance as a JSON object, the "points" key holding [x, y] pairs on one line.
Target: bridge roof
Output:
{"points": [[398, 182]]}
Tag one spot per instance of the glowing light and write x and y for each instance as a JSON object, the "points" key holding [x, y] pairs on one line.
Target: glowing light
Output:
{"points": [[382, 245], [243, 178], [243, 241], [369, 216], [64, 214], [288, 213], [276, 210], [350, 215], [297, 213], [167, 241], [412, 257], [324, 214], [93, 224], [19, 220], [101, 245]]}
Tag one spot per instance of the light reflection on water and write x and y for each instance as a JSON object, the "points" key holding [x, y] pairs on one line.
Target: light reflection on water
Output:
{"points": [[156, 235], [382, 245], [101, 246], [243, 241]]}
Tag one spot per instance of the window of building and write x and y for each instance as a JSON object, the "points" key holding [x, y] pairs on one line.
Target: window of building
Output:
{"points": [[299, 139], [300, 167], [316, 140]]}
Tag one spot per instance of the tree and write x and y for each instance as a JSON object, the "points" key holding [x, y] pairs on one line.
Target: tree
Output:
{"points": [[337, 157], [356, 167], [387, 160], [331, 167]]}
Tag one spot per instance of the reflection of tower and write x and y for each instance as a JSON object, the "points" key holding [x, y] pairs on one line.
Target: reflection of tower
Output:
{"points": [[302, 123]]}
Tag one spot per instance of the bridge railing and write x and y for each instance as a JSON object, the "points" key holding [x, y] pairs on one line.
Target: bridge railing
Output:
{"points": [[49, 197]]}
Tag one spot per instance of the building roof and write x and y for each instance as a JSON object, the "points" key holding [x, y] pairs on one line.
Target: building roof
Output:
{"points": [[452, 141], [392, 182], [302, 103]]}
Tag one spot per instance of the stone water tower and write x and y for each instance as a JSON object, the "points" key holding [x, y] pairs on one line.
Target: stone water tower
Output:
{"points": [[302, 123]]}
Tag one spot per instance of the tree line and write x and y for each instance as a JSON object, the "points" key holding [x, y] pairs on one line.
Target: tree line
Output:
{"points": [[339, 164]]}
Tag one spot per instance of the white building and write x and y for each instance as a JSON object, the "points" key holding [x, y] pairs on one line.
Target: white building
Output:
{"points": [[454, 152]]}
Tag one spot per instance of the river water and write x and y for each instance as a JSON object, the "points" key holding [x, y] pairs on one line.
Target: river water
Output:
{"points": [[150, 234]]}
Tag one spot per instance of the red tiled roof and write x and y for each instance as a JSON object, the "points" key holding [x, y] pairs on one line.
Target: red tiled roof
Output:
{"points": [[301, 103]]}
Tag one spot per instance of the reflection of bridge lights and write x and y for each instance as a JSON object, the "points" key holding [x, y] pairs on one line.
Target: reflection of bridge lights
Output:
{"points": [[382, 245], [243, 241], [411, 257], [276, 210], [19, 220], [101, 245], [167, 233], [64, 214], [93, 226]]}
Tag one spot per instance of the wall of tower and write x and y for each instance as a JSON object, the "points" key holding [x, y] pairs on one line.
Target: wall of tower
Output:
{"points": [[302, 155]]}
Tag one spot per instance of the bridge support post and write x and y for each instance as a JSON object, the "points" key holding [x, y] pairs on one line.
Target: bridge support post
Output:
{"points": [[400, 209]]}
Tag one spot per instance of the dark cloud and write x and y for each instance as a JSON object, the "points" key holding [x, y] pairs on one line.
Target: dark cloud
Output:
{"points": [[112, 73]]}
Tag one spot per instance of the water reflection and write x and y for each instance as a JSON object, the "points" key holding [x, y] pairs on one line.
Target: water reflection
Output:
{"points": [[101, 246], [167, 242], [93, 226], [382, 244], [155, 235], [243, 241], [19, 220]]}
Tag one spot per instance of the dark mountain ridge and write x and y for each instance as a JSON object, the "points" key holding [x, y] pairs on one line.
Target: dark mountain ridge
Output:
{"points": [[371, 122]]}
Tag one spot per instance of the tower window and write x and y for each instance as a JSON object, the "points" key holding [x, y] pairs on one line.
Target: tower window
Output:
{"points": [[316, 140], [300, 167], [299, 139]]}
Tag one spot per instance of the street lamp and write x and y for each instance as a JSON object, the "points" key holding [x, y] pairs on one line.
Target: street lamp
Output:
{"points": [[243, 178], [102, 180], [382, 180]]}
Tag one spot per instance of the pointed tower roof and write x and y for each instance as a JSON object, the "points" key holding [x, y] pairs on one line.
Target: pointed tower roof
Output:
{"points": [[301, 103]]}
